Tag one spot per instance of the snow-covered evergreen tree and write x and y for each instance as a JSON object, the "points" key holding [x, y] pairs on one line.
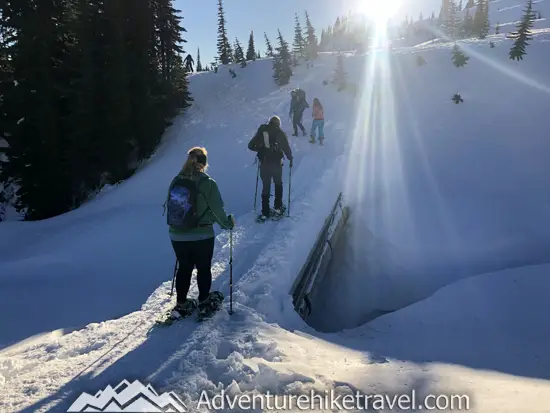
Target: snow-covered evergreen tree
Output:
{"points": [[251, 52], [239, 54], [269, 48], [282, 62], [225, 54], [523, 33], [299, 45], [199, 64], [458, 57], [481, 19], [312, 44]]}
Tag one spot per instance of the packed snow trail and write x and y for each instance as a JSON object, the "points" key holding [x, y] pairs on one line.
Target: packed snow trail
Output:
{"points": [[101, 260]]}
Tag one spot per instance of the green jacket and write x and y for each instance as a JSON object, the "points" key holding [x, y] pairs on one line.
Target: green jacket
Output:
{"points": [[210, 200]]}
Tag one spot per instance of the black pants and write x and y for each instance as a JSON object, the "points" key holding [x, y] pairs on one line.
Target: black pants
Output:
{"points": [[193, 254], [271, 171], [297, 122]]}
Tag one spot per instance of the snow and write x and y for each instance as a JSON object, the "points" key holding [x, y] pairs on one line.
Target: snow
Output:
{"points": [[448, 204]]}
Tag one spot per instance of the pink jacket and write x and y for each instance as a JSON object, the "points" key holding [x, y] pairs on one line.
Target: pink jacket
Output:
{"points": [[318, 113]]}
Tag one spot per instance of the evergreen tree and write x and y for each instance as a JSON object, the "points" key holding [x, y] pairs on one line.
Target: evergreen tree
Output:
{"points": [[312, 46], [481, 19], [270, 52], [299, 44], [251, 52], [523, 33], [225, 54], [199, 64], [453, 22], [258, 56], [340, 75], [497, 28], [239, 54], [458, 57], [84, 108], [282, 62]]}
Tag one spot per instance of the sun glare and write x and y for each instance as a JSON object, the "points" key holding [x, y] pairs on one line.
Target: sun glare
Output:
{"points": [[378, 10]]}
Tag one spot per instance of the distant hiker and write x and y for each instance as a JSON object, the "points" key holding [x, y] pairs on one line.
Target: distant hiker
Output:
{"points": [[271, 144], [318, 115], [189, 62], [194, 204], [298, 104]]}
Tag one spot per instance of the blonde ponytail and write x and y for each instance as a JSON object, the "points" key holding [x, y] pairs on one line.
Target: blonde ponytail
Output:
{"points": [[196, 161]]}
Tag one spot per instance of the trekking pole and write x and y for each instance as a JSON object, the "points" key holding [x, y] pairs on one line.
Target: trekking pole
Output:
{"points": [[257, 177], [230, 272], [289, 185], [176, 266]]}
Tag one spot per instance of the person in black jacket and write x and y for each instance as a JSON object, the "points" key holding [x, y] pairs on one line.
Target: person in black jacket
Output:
{"points": [[298, 105], [271, 144]]}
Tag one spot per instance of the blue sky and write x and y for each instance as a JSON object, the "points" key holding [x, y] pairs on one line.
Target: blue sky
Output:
{"points": [[201, 19]]}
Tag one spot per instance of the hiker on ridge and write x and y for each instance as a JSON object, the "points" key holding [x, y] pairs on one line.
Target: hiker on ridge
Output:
{"points": [[194, 204], [271, 144], [298, 104]]}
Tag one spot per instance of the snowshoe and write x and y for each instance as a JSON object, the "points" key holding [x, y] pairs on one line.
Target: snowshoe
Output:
{"points": [[262, 218], [179, 312], [210, 306], [278, 213]]}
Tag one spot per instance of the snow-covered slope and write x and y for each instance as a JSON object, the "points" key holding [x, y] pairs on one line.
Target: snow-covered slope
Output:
{"points": [[452, 190]]}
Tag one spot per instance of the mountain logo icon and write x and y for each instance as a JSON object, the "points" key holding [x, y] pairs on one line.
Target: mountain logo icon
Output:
{"points": [[130, 398]]}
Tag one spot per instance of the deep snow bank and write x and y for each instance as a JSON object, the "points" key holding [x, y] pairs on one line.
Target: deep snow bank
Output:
{"points": [[442, 191]]}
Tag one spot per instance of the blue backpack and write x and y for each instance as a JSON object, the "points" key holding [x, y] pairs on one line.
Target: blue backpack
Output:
{"points": [[181, 205]]}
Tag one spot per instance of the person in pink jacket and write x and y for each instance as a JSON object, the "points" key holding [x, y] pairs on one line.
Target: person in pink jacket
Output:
{"points": [[318, 121]]}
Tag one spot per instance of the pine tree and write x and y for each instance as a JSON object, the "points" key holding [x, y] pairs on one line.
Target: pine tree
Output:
{"points": [[312, 45], [340, 75], [270, 52], [239, 54], [251, 52], [225, 54], [467, 25], [523, 33], [282, 62], [92, 101], [299, 44], [199, 64], [497, 28], [452, 23], [458, 57], [481, 19]]}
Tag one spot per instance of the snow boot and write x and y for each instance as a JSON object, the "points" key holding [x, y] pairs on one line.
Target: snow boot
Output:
{"points": [[321, 141], [279, 211], [312, 139], [263, 217], [184, 309], [210, 305]]}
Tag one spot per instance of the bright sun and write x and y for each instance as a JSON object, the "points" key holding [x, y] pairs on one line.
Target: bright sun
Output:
{"points": [[378, 10]]}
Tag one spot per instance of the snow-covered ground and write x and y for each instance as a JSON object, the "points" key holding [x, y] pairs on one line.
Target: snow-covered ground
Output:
{"points": [[438, 193]]}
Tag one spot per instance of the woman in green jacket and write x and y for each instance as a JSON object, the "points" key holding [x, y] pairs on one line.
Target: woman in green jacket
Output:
{"points": [[194, 247]]}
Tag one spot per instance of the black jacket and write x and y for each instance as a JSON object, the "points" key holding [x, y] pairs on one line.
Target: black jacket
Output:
{"points": [[265, 154]]}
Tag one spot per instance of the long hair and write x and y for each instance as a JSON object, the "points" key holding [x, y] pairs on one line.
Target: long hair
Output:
{"points": [[316, 102], [196, 161]]}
